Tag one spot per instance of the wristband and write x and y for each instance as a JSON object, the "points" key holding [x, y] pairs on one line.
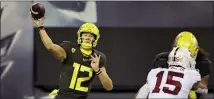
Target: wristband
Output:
{"points": [[41, 28], [98, 72]]}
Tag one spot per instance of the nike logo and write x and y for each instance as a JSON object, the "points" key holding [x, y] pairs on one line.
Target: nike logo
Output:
{"points": [[86, 59]]}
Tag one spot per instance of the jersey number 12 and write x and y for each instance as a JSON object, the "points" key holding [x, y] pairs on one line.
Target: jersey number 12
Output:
{"points": [[77, 81]]}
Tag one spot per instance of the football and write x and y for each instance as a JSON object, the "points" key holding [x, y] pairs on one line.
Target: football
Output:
{"points": [[37, 11]]}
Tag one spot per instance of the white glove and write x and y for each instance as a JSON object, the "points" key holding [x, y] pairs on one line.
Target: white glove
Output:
{"points": [[202, 91], [39, 22]]}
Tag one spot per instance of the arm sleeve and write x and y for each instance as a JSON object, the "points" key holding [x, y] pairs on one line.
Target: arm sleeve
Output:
{"points": [[143, 92], [67, 46], [195, 76]]}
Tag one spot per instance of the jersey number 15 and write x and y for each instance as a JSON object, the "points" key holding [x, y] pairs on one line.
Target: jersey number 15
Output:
{"points": [[169, 81]]}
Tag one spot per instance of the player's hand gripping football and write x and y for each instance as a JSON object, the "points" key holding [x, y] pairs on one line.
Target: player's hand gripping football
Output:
{"points": [[95, 62], [37, 13], [39, 22]]}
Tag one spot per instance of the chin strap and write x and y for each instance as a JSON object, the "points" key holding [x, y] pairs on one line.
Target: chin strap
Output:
{"points": [[86, 46], [86, 52]]}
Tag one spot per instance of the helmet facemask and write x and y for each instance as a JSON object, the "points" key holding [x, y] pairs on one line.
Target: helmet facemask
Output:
{"points": [[86, 42]]}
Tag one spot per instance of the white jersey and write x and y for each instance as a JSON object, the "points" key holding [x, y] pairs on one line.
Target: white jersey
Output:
{"points": [[174, 82]]}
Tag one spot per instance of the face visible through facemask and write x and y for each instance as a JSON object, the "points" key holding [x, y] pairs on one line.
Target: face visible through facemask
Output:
{"points": [[87, 40]]}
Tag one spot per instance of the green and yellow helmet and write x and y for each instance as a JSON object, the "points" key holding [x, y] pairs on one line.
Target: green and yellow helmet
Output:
{"points": [[90, 28], [188, 40]]}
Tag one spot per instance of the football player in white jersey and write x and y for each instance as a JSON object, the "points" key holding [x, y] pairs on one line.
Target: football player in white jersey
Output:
{"points": [[176, 81]]}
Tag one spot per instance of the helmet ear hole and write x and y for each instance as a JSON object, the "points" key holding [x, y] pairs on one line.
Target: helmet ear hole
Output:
{"points": [[79, 41], [95, 43]]}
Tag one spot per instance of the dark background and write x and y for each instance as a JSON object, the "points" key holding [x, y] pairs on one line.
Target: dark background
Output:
{"points": [[130, 53], [155, 14]]}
